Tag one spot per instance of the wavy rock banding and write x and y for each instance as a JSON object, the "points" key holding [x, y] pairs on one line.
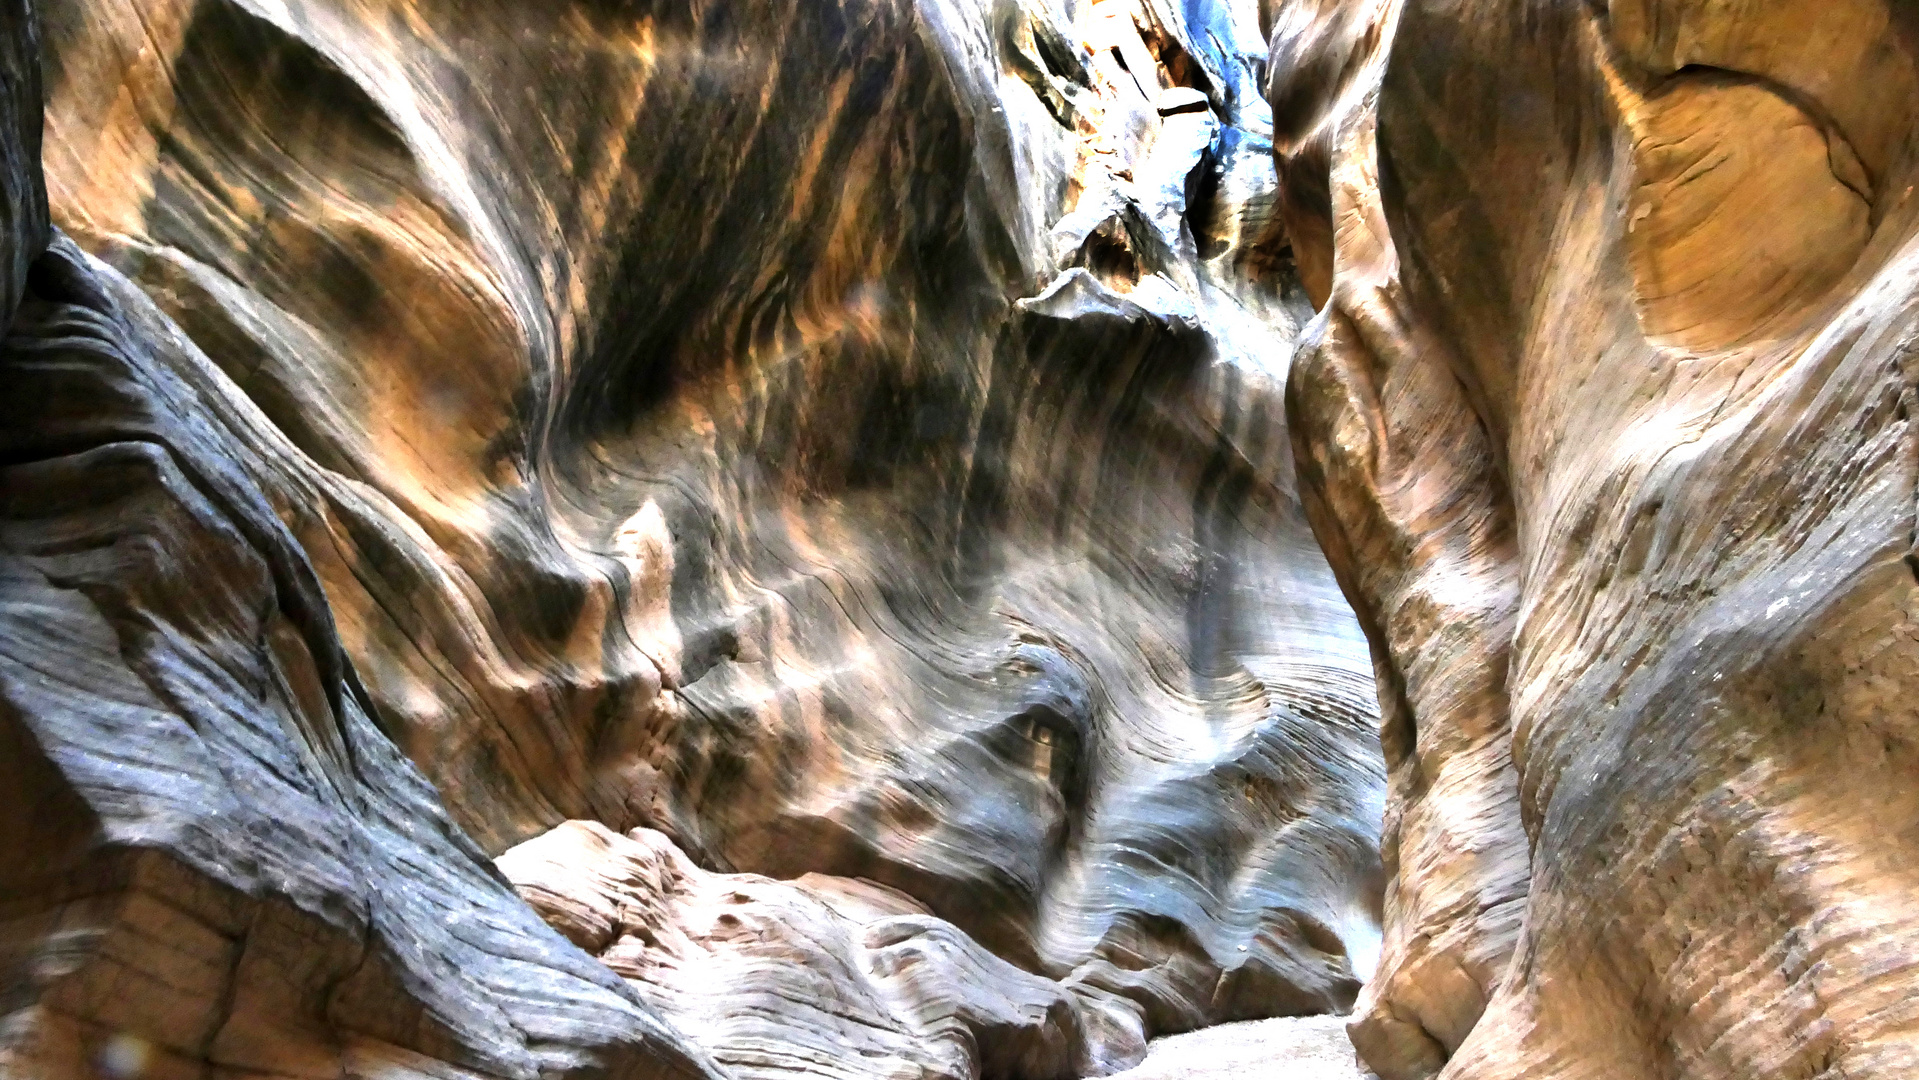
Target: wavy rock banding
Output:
{"points": [[951, 538], [811, 450]]}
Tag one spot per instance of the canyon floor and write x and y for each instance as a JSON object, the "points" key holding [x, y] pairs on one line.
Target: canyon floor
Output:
{"points": [[1287, 1048]]}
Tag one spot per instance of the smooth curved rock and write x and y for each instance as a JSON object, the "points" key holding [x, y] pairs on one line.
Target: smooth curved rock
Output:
{"points": [[836, 976], [844, 438], [1606, 428]]}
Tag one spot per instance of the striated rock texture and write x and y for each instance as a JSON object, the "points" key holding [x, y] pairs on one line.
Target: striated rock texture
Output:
{"points": [[802, 485], [812, 974], [1606, 426]]}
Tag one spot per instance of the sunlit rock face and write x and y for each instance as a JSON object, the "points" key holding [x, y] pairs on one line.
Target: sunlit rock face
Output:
{"points": [[820, 465], [1606, 426]]}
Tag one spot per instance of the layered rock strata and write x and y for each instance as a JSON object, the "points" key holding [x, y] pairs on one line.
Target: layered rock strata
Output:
{"points": [[816, 452], [831, 976], [1606, 427]]}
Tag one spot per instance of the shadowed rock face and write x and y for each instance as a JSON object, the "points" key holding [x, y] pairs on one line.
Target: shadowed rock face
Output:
{"points": [[685, 452], [1607, 429]]}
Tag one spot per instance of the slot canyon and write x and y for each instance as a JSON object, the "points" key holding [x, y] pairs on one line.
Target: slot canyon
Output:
{"points": [[959, 539]]}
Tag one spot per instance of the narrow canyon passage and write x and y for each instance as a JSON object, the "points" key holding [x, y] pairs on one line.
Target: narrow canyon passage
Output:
{"points": [[744, 539], [970, 539]]}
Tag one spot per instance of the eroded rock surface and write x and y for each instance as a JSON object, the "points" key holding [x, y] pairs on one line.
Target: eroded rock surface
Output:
{"points": [[836, 976], [790, 444], [1607, 428]]}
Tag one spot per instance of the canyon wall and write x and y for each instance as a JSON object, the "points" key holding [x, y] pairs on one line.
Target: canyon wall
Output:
{"points": [[950, 537], [1606, 426], [659, 539]]}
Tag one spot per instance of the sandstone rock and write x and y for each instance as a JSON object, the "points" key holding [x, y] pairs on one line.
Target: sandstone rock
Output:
{"points": [[213, 853], [843, 438], [839, 977], [1606, 427], [687, 539], [1287, 1048]]}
